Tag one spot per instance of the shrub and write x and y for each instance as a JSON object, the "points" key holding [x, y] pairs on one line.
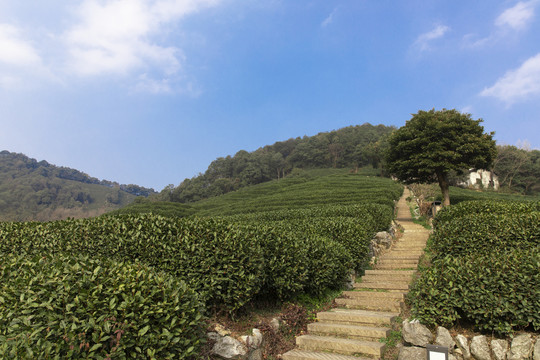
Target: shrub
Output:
{"points": [[72, 307], [497, 292]]}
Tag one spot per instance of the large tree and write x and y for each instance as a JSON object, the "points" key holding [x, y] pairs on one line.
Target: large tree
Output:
{"points": [[434, 143]]}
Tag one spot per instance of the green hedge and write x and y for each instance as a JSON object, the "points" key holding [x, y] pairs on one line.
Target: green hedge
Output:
{"points": [[482, 233], [485, 268], [225, 262], [496, 292], [220, 261], [467, 208], [74, 307], [298, 261]]}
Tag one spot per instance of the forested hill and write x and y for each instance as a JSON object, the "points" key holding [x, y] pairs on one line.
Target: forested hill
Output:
{"points": [[351, 147], [32, 190]]}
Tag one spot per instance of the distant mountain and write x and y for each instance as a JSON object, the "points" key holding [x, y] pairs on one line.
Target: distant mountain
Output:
{"points": [[32, 190], [350, 147]]}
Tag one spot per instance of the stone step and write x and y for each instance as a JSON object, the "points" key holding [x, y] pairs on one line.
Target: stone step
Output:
{"points": [[357, 317], [412, 248], [388, 285], [394, 256], [340, 346], [394, 261], [376, 295], [395, 267], [311, 355], [386, 278], [397, 273], [358, 332], [373, 304]]}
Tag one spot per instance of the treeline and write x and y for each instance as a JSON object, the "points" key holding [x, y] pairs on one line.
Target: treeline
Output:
{"points": [[32, 190], [19, 165], [518, 169], [351, 147]]}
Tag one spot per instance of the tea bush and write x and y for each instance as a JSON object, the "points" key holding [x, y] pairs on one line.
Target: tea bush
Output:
{"points": [[496, 292], [485, 268], [221, 261], [73, 307], [481, 233], [467, 208]]}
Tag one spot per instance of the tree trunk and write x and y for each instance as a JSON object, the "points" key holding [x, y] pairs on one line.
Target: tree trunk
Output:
{"points": [[445, 187]]}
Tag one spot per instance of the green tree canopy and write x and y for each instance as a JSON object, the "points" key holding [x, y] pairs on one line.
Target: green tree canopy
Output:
{"points": [[434, 143]]}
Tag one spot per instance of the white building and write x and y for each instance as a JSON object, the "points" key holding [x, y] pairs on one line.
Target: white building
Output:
{"points": [[481, 179]]}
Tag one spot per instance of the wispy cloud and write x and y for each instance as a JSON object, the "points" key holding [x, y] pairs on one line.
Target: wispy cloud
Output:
{"points": [[128, 39], [518, 16], [14, 50], [329, 19], [514, 19], [423, 41], [117, 37], [519, 84]]}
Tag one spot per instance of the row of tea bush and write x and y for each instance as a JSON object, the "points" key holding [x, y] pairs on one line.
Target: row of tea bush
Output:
{"points": [[485, 268]]}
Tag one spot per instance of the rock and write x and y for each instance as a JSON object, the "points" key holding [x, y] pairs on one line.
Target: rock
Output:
{"points": [[229, 348], [220, 329], [254, 341], [463, 345], [274, 324], [415, 333], [255, 355], [412, 353], [444, 338], [521, 347], [499, 349], [536, 355], [452, 357], [480, 348]]}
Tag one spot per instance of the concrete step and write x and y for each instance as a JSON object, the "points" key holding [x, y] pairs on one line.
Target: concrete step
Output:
{"points": [[385, 278], [395, 267], [358, 332], [375, 295], [397, 261], [357, 317], [373, 304], [398, 256], [397, 273], [340, 346], [312, 355], [388, 285]]}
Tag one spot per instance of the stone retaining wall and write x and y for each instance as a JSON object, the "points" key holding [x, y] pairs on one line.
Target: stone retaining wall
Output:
{"points": [[416, 336]]}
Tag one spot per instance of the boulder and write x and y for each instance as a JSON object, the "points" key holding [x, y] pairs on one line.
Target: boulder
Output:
{"points": [[463, 345], [255, 355], [227, 347], [412, 353], [499, 349], [521, 348], [444, 338], [536, 354], [274, 324], [480, 348], [253, 341], [415, 333]]}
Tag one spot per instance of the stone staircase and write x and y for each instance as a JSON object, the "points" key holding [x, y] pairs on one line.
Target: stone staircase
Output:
{"points": [[352, 331]]}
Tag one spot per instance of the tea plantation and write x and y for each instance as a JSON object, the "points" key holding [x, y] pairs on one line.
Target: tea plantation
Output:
{"points": [[485, 268], [138, 285]]}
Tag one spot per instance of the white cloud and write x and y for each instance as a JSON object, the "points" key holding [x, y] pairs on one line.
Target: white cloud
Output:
{"points": [[518, 16], [119, 37], [519, 84], [423, 41], [329, 19], [14, 50]]}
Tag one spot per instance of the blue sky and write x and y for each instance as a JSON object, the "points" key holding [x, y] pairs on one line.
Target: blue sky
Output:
{"points": [[151, 91]]}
